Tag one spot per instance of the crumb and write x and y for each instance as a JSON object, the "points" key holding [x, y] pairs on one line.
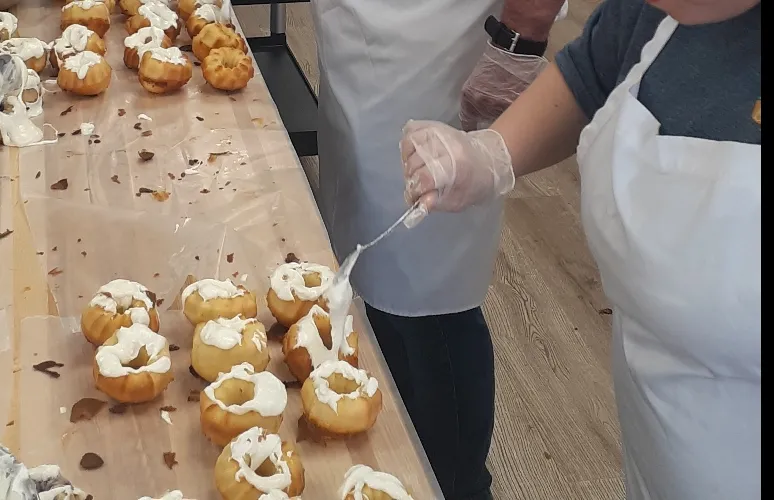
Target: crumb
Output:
{"points": [[146, 155], [53, 249], [86, 409], [66, 111], [235, 274], [114, 178], [196, 257], [144, 190], [118, 409], [168, 408], [83, 253], [6, 233], [605, 311], [159, 302], [91, 461], [169, 459], [40, 253], [79, 240], [204, 191], [55, 272], [138, 126], [192, 162], [160, 195], [174, 347], [194, 396], [61, 134], [76, 132], [171, 175], [59, 185], [47, 367], [147, 133], [200, 118], [291, 257], [121, 111], [230, 258], [37, 176]]}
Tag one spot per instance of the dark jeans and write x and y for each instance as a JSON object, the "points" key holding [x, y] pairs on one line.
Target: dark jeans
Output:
{"points": [[444, 369]]}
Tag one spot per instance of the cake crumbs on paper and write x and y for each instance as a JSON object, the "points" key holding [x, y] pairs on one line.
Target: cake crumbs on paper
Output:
{"points": [[165, 417]]}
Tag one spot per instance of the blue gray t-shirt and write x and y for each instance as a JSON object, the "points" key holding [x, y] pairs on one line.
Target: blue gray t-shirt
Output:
{"points": [[703, 84]]}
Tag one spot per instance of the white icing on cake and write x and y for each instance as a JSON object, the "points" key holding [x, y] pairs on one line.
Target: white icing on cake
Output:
{"points": [[172, 55], [87, 5], [82, 62], [110, 358], [73, 40], [359, 476], [367, 385], [170, 495], [308, 337], [26, 48], [159, 15], [213, 289], [226, 333], [257, 446], [16, 129], [145, 39], [8, 22], [274, 495], [288, 279], [269, 394], [211, 13], [121, 293]]}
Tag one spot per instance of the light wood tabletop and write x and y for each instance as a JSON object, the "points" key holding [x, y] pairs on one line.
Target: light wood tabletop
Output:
{"points": [[223, 196]]}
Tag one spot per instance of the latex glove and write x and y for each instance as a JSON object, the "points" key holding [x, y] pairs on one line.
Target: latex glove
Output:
{"points": [[450, 170], [498, 79], [12, 71]]}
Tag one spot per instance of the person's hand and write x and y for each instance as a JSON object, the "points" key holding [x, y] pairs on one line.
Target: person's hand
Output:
{"points": [[497, 80], [450, 170]]}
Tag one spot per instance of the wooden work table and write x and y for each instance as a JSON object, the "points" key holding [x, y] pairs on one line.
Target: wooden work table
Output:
{"points": [[238, 202]]}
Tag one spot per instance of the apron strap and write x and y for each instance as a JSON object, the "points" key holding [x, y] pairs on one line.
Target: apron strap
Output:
{"points": [[650, 51]]}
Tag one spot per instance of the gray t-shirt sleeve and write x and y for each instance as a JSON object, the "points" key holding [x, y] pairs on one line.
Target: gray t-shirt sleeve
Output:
{"points": [[591, 64]]}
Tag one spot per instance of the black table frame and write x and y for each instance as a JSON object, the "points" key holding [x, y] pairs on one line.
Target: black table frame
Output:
{"points": [[294, 96]]}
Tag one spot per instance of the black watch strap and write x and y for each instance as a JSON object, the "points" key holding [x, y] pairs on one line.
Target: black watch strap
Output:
{"points": [[505, 38]]}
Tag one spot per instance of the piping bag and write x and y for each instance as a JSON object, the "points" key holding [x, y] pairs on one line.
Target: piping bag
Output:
{"points": [[339, 292]]}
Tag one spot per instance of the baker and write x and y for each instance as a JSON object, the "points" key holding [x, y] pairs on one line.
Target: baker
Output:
{"points": [[662, 102]]}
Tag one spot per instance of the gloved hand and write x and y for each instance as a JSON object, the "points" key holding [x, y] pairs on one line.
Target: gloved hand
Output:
{"points": [[450, 170], [12, 71], [498, 79]]}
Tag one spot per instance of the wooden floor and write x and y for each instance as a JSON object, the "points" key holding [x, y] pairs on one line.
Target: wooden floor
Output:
{"points": [[556, 435]]}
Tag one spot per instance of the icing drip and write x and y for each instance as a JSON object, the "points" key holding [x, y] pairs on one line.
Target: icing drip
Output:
{"points": [[359, 476], [258, 446], [87, 5], [82, 62], [213, 289], [367, 385], [73, 40], [110, 358], [211, 13], [288, 280], [308, 337], [143, 116], [226, 333], [170, 495], [34, 108], [16, 129], [172, 55], [145, 39], [274, 495], [121, 293], [87, 128], [8, 22], [26, 48], [159, 15], [269, 394]]}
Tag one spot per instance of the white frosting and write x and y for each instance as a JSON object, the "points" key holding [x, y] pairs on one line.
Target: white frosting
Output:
{"points": [[159, 15], [73, 40], [275, 495], [226, 333], [26, 48], [288, 280], [166, 3], [8, 22], [256, 445], [213, 289], [172, 55], [111, 358], [359, 476], [145, 39], [367, 385], [87, 128], [170, 495], [308, 337], [165, 417], [121, 293], [211, 13], [34, 108], [82, 62], [16, 129], [143, 116], [87, 5], [269, 394]]}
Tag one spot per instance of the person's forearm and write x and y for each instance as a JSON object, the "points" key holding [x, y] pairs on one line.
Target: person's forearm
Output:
{"points": [[532, 19], [542, 127]]}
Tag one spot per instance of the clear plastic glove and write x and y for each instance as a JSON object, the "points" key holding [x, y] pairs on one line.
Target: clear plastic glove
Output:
{"points": [[498, 79], [12, 71], [450, 170]]}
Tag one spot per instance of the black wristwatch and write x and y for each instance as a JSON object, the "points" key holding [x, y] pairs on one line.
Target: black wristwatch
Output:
{"points": [[505, 38]]}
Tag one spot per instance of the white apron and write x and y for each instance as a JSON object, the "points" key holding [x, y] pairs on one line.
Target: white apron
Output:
{"points": [[383, 62], [675, 226]]}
